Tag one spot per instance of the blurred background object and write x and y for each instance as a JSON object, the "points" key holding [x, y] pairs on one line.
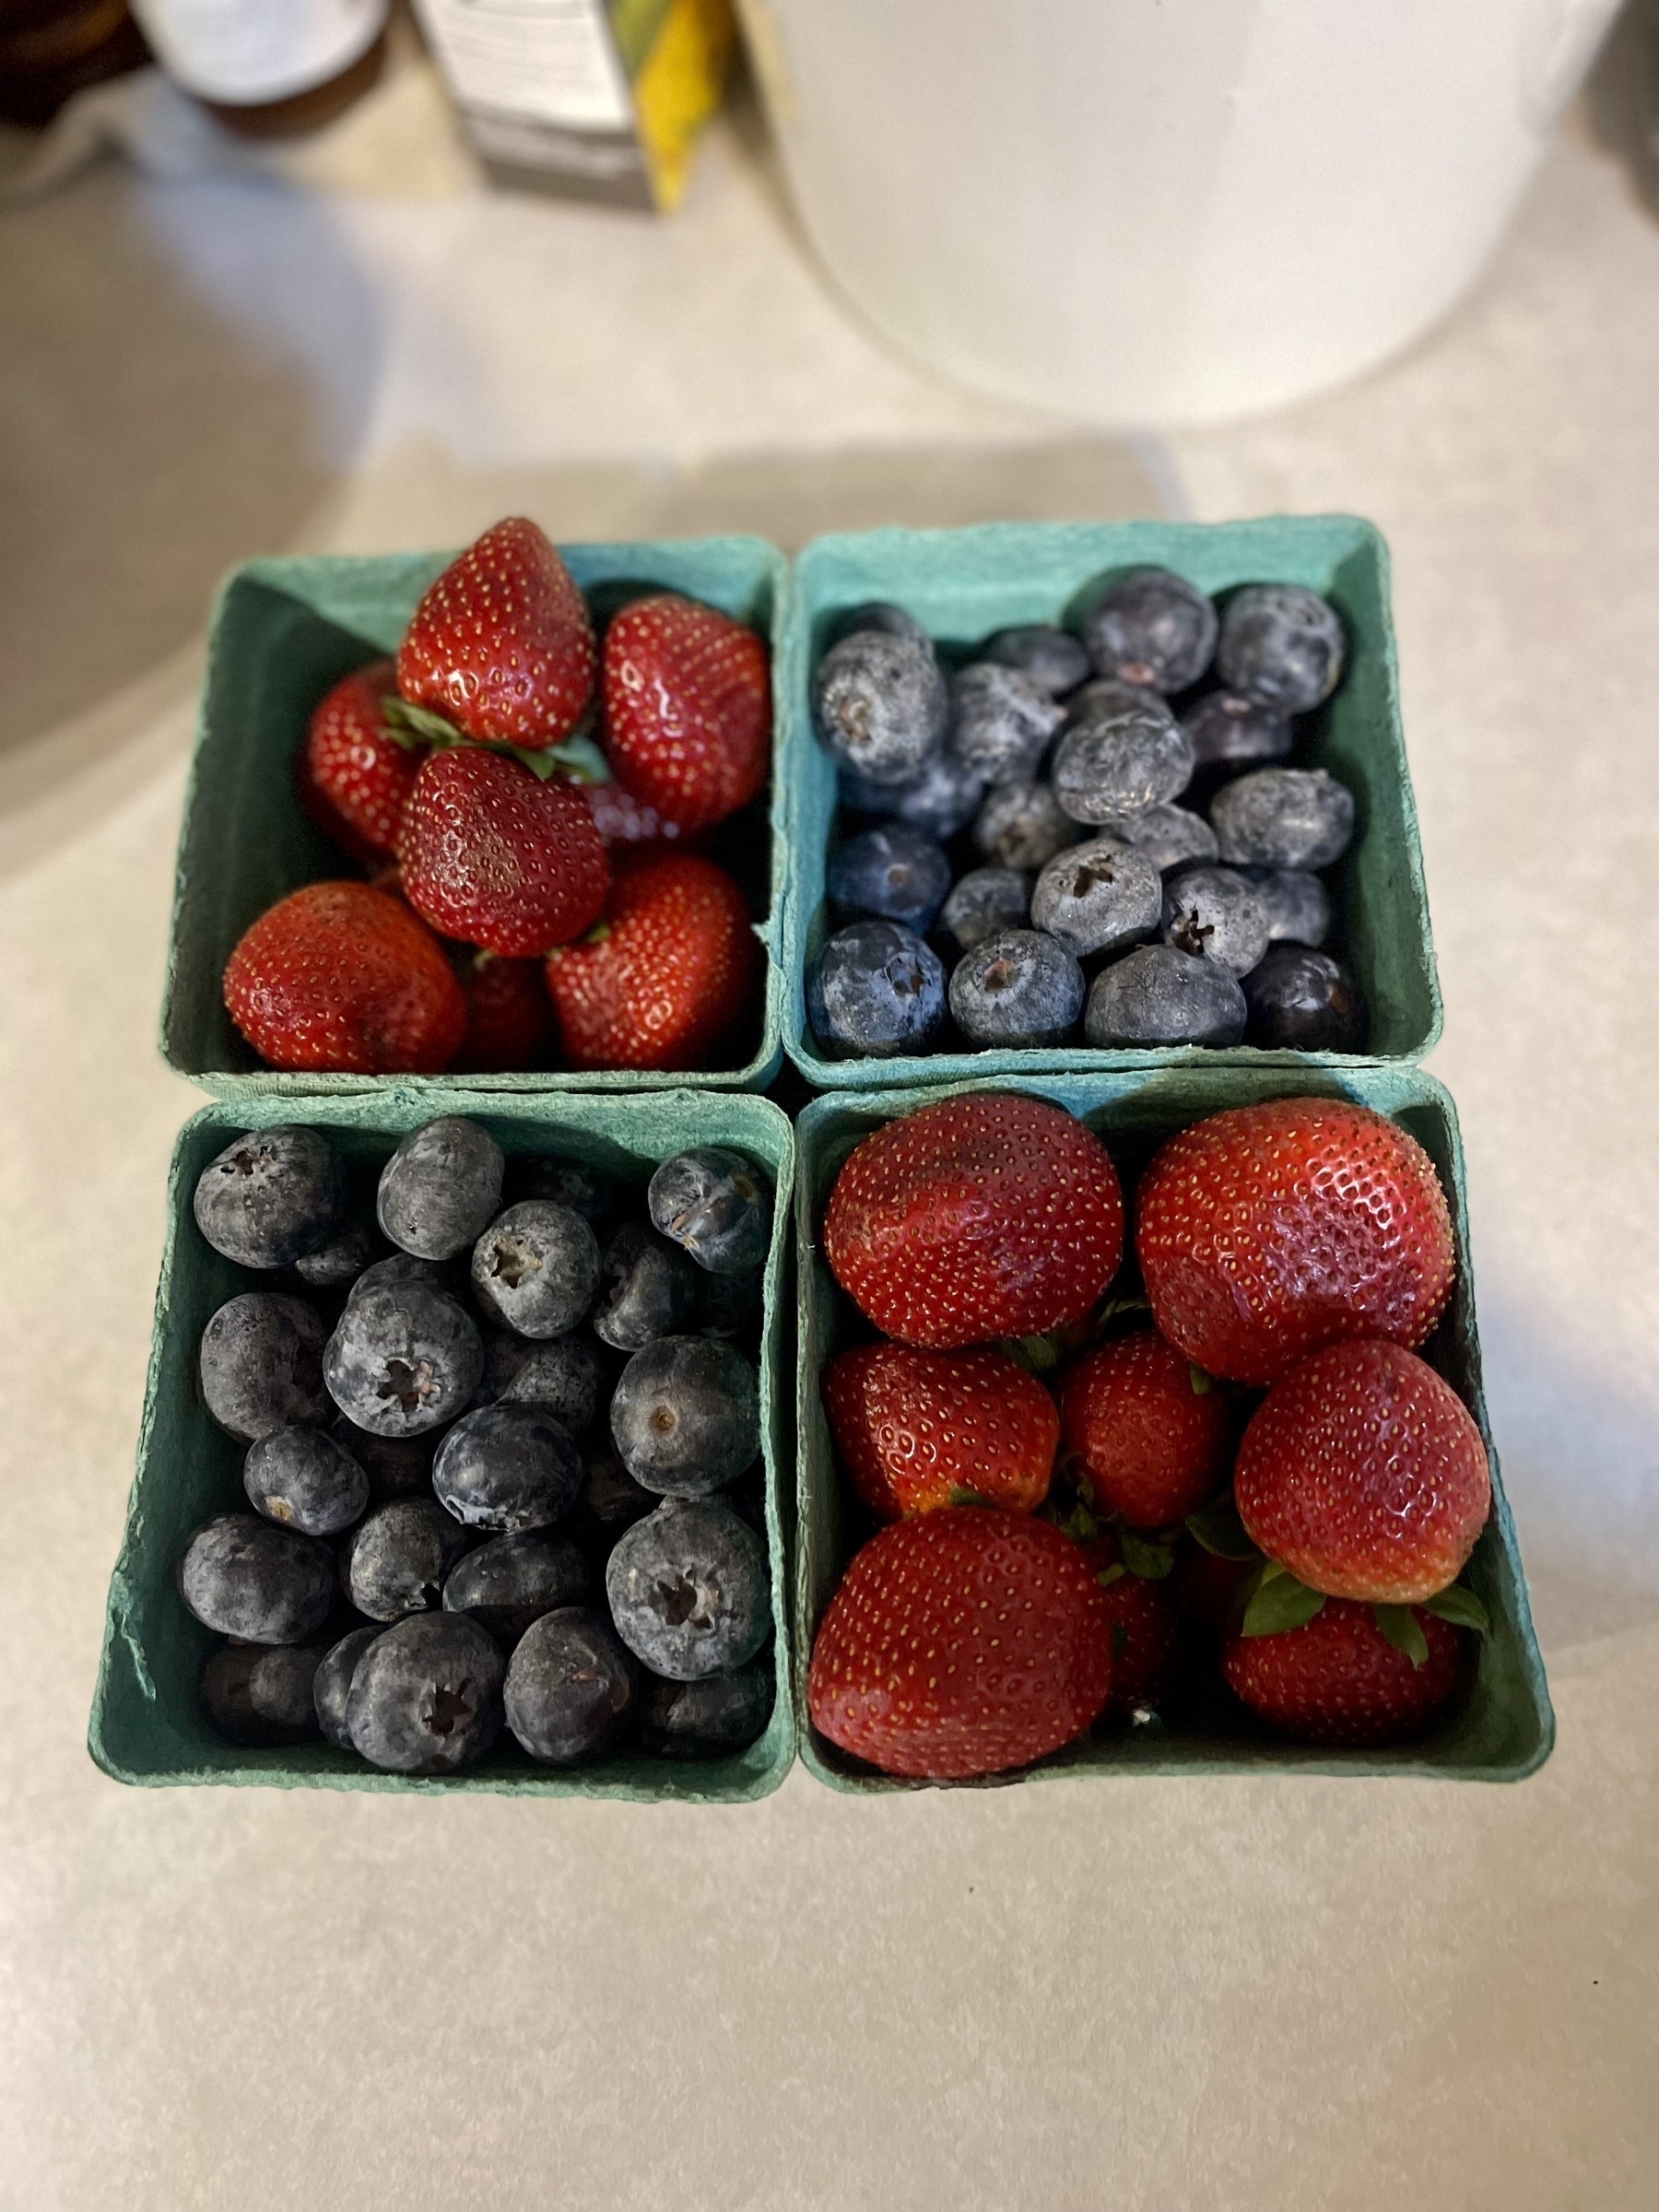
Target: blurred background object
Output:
{"points": [[50, 51], [270, 69], [1162, 211]]}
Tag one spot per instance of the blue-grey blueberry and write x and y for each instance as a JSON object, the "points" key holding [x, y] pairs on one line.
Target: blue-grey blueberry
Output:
{"points": [[1227, 731], [261, 1364], [252, 1579], [403, 1360], [570, 1686], [648, 1289], [690, 1589], [685, 1415], [507, 1467], [1214, 915], [426, 1697], [1152, 628], [441, 1188], [1304, 1001], [305, 1479], [1021, 988], [875, 990], [262, 1694], [563, 1374], [891, 870], [1101, 896], [1053, 659], [1281, 645], [940, 800], [1023, 825], [879, 703], [1169, 836], [513, 1580], [1120, 762], [1000, 721], [982, 902], [1158, 995], [1283, 818], [876, 613], [716, 1205], [350, 1246], [585, 1190], [331, 1685], [708, 1719], [270, 1196], [1297, 904], [398, 1559], [536, 1268]]}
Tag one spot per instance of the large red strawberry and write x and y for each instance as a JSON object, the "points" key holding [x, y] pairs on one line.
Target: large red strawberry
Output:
{"points": [[507, 1017], [494, 856], [1339, 1681], [353, 779], [994, 1215], [503, 645], [669, 970], [1363, 1473], [917, 1429], [961, 1642], [1267, 1231], [688, 708], [1148, 1430], [343, 976]]}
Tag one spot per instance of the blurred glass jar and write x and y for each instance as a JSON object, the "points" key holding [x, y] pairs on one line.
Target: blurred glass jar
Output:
{"points": [[269, 68], [48, 50]]}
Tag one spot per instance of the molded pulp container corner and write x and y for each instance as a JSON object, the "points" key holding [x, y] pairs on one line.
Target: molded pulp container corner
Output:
{"points": [[965, 584], [284, 630], [147, 1724], [1499, 1729]]}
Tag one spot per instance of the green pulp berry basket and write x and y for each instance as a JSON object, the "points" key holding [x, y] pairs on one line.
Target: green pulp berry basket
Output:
{"points": [[146, 1725], [965, 584], [1499, 1729], [284, 630]]}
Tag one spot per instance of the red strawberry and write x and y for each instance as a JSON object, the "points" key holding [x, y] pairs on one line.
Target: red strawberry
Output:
{"points": [[621, 820], [1208, 1590], [1339, 1680], [961, 1642], [1269, 1230], [665, 975], [688, 708], [1147, 1639], [916, 1430], [501, 645], [507, 1018], [1363, 1473], [343, 976], [353, 779], [994, 1215], [494, 856], [1148, 1430]]}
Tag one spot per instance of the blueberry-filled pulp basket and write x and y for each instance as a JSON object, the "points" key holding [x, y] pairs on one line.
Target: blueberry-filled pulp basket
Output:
{"points": [[1501, 1727], [146, 1723], [963, 584], [284, 630]]}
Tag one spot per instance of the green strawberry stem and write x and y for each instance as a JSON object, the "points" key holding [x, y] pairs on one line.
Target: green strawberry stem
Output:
{"points": [[578, 758], [1277, 1602], [1217, 1527], [1401, 1626]]}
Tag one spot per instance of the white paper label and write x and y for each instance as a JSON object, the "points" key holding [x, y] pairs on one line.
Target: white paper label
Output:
{"points": [[552, 60], [245, 51]]}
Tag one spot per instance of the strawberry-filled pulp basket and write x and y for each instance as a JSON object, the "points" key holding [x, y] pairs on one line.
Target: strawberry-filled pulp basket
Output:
{"points": [[1500, 1728], [284, 630], [963, 584], [146, 1723]]}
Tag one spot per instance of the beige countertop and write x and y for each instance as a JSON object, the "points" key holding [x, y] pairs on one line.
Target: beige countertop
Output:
{"points": [[1261, 1996]]}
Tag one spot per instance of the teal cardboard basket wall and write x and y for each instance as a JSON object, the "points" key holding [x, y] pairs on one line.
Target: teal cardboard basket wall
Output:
{"points": [[286, 630], [1500, 1730], [146, 1725], [965, 584]]}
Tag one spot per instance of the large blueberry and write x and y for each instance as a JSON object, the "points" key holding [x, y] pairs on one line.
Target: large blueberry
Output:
{"points": [[262, 1364], [1214, 915], [398, 1559], [940, 800], [875, 990], [1169, 836], [305, 1479], [403, 1360], [536, 1268], [982, 902], [685, 1415], [513, 1580], [880, 705], [507, 1467], [570, 1686], [716, 1205], [262, 1694], [1000, 721], [648, 1290], [250, 1579], [270, 1196], [1023, 825], [1160, 994], [890, 870], [1021, 988], [1152, 628], [1101, 896], [1302, 1000], [1297, 904], [331, 1687], [399, 1267], [1051, 658], [562, 1374], [1281, 645], [1283, 818], [1227, 731], [1117, 763], [426, 1697], [441, 1188], [689, 1590], [722, 1713]]}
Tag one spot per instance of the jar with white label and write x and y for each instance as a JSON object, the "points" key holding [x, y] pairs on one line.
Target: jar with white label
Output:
{"points": [[269, 68]]}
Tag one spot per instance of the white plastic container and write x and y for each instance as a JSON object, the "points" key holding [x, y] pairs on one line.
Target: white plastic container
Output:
{"points": [[1153, 212]]}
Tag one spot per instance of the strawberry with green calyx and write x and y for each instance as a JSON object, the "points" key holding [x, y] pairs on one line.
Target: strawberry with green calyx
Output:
{"points": [[917, 1432], [986, 1216], [501, 645], [961, 1644], [342, 976], [688, 708], [354, 775], [1346, 1678], [1363, 1473], [495, 857], [1148, 1644], [672, 966], [1152, 1431]]}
